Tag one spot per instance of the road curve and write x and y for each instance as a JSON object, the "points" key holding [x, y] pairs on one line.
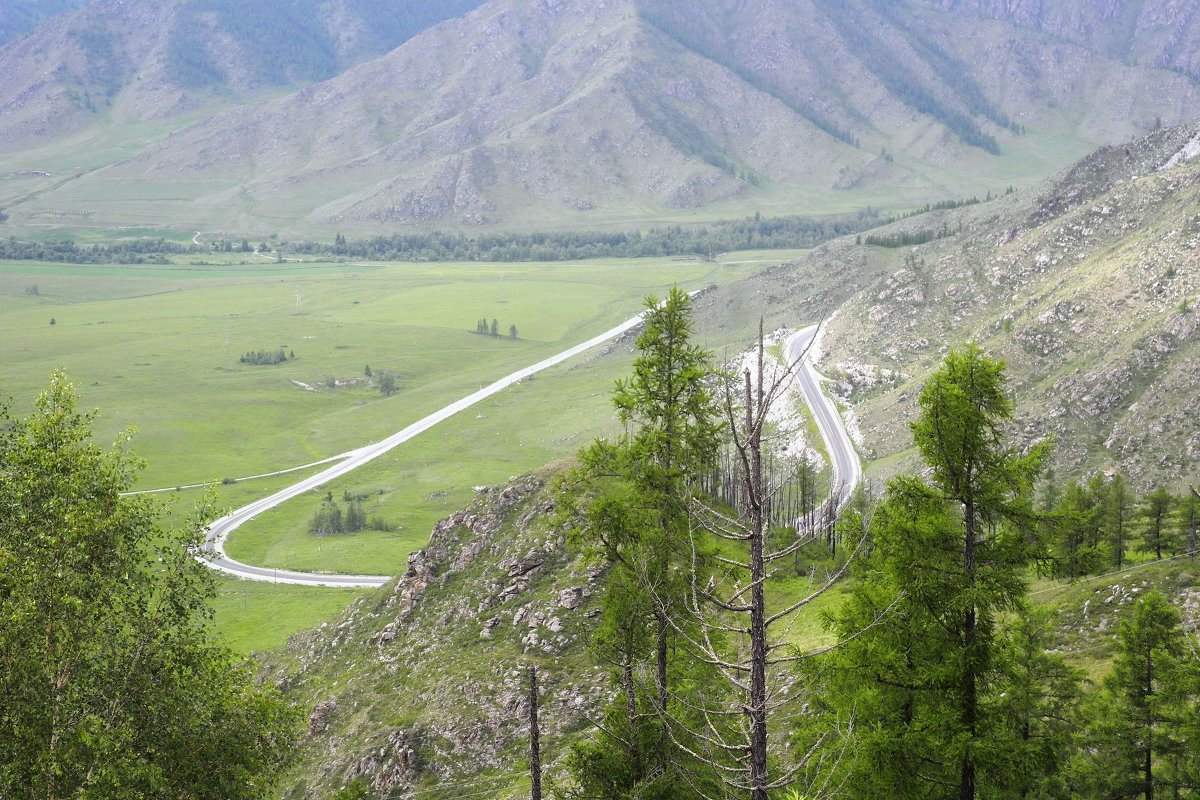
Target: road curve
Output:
{"points": [[218, 532], [847, 469]]}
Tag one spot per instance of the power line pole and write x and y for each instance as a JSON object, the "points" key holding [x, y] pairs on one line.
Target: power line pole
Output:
{"points": [[535, 747]]}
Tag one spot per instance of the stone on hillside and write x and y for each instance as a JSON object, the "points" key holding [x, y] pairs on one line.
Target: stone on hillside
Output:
{"points": [[570, 598], [318, 720]]}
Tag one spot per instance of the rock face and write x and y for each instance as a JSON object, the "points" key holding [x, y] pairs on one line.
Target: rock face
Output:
{"points": [[429, 673]]}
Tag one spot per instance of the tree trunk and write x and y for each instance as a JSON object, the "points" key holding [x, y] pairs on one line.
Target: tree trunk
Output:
{"points": [[661, 658], [535, 747], [970, 707], [757, 707]]}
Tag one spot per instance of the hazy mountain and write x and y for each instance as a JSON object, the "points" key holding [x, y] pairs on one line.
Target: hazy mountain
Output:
{"points": [[536, 114], [144, 59], [19, 16]]}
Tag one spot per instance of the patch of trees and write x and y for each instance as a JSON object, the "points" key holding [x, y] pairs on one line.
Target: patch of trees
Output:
{"points": [[485, 328], [265, 357], [331, 518], [1092, 526], [112, 684]]}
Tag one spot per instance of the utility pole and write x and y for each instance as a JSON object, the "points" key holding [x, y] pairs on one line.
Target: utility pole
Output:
{"points": [[535, 747]]}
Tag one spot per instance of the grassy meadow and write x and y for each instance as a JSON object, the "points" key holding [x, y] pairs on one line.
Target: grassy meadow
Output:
{"points": [[158, 347]]}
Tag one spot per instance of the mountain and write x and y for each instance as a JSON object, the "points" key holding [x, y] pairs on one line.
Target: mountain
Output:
{"points": [[19, 16], [1089, 287], [601, 112], [146, 60]]}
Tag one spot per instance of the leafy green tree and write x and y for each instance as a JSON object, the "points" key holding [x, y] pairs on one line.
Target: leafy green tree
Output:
{"points": [[1139, 742], [111, 685], [387, 382], [1156, 530], [949, 558]]}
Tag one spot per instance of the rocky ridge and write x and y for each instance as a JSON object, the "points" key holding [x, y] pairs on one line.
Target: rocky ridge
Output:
{"points": [[498, 587]]}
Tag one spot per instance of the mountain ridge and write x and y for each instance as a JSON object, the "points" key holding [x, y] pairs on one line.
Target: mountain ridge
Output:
{"points": [[611, 112]]}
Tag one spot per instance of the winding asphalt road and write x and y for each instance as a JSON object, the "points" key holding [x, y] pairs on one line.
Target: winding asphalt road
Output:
{"points": [[847, 471], [214, 545]]}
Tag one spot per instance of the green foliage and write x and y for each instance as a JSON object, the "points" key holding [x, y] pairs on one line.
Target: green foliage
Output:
{"points": [[330, 519], [629, 497], [387, 382], [111, 686], [265, 357], [1141, 736], [927, 656], [1078, 544], [1157, 534]]}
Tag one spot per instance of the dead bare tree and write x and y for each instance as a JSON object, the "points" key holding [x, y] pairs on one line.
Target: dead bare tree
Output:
{"points": [[728, 625]]}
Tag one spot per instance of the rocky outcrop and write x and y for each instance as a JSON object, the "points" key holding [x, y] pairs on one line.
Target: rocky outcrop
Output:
{"points": [[429, 674]]}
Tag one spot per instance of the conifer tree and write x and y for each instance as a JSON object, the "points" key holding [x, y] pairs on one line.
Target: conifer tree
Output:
{"points": [[1142, 722], [949, 558]]}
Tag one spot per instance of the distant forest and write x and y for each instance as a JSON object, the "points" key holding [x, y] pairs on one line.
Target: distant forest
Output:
{"points": [[702, 241]]}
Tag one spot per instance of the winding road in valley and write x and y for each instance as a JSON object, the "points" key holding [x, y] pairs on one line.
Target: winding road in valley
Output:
{"points": [[846, 468]]}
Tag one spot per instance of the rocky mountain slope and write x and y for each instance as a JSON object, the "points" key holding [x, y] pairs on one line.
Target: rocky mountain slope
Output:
{"points": [[419, 689], [548, 114], [19, 16], [1089, 287], [423, 684]]}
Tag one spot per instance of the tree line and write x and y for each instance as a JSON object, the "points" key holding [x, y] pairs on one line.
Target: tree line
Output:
{"points": [[684, 241], [755, 232]]}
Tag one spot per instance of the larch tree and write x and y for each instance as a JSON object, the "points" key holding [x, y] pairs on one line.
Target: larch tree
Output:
{"points": [[1141, 739], [1158, 535], [630, 497], [949, 555]]}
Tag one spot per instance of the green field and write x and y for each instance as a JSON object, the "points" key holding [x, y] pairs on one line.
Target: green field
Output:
{"points": [[158, 347]]}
